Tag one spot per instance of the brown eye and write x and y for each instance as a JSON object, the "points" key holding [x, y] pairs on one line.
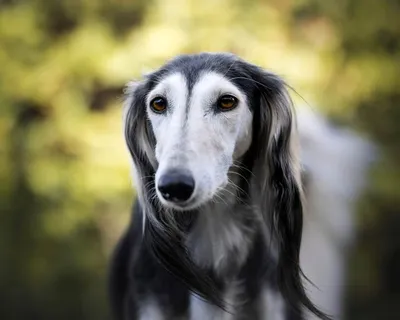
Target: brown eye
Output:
{"points": [[227, 102], [158, 105]]}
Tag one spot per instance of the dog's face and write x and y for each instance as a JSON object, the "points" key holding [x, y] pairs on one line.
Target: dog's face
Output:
{"points": [[201, 127]]}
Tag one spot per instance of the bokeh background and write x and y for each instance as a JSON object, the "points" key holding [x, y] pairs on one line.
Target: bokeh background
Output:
{"points": [[65, 190]]}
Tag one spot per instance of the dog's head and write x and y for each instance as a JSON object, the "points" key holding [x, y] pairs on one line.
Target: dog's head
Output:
{"points": [[197, 118]]}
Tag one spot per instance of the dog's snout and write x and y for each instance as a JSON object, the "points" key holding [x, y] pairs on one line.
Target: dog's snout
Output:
{"points": [[176, 186]]}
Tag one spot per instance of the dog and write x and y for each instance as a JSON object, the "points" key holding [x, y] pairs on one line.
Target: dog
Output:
{"points": [[335, 162], [217, 225]]}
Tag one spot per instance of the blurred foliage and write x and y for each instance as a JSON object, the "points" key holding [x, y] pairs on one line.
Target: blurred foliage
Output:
{"points": [[65, 191]]}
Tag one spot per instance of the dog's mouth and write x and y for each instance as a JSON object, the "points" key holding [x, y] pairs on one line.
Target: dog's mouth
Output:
{"points": [[189, 205], [195, 201]]}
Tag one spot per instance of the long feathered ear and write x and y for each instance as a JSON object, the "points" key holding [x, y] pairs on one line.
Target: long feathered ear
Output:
{"points": [[139, 138], [277, 169]]}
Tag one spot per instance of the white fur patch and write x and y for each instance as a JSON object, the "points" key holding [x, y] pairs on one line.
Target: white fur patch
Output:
{"points": [[201, 310], [151, 311], [272, 306]]}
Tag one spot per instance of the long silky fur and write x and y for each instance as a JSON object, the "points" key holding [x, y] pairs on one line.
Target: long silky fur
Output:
{"points": [[272, 159]]}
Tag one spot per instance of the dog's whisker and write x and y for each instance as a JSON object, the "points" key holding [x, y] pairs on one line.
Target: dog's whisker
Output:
{"points": [[238, 165], [240, 175], [238, 188]]}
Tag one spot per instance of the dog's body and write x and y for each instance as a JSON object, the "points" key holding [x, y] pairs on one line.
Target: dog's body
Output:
{"points": [[336, 161], [217, 227], [159, 295]]}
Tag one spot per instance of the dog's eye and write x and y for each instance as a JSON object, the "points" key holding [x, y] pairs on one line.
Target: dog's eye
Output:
{"points": [[227, 102], [158, 105]]}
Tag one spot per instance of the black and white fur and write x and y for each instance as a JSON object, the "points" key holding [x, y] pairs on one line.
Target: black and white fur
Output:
{"points": [[232, 250]]}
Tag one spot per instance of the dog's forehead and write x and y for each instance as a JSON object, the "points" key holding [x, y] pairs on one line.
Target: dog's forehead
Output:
{"points": [[192, 67]]}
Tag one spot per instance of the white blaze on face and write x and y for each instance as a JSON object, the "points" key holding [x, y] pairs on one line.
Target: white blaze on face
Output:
{"points": [[193, 135]]}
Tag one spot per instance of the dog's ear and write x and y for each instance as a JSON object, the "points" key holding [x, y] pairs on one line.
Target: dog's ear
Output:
{"points": [[277, 169], [139, 137]]}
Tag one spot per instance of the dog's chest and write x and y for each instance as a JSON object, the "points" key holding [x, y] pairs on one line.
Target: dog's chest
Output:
{"points": [[220, 240], [242, 288], [198, 309]]}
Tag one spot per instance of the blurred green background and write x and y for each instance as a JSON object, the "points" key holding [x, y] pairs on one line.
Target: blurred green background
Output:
{"points": [[65, 191]]}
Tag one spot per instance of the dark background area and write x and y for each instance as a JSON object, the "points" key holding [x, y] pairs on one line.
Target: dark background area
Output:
{"points": [[65, 191]]}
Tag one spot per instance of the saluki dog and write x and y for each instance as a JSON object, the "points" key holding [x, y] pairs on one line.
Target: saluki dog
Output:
{"points": [[217, 225]]}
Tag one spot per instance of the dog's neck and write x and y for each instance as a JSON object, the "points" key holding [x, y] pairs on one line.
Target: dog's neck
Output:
{"points": [[222, 235]]}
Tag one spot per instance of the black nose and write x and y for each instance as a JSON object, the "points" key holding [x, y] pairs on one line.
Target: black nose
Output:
{"points": [[176, 186]]}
